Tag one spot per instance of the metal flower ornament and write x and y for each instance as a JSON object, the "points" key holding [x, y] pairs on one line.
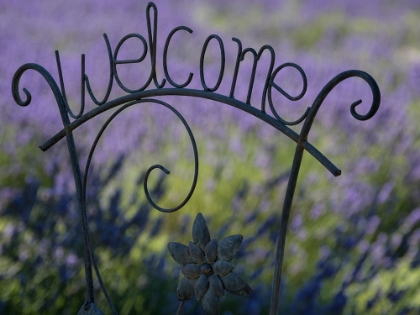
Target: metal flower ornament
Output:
{"points": [[206, 267]]}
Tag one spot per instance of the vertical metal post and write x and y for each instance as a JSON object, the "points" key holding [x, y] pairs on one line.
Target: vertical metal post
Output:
{"points": [[281, 240]]}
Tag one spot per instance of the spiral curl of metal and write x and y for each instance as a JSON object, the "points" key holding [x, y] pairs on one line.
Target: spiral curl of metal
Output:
{"points": [[376, 98], [153, 167]]}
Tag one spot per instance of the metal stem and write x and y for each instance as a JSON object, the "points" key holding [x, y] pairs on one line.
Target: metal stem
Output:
{"points": [[82, 207], [180, 308], [72, 152], [281, 240]]}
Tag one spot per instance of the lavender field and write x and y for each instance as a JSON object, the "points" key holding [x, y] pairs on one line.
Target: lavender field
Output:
{"points": [[353, 244]]}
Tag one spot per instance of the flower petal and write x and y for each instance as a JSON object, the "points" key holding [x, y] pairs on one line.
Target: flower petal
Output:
{"points": [[216, 285], [211, 251], [211, 303], [222, 268], [196, 253], [200, 232], [229, 246], [186, 289], [191, 271], [179, 253], [201, 286], [235, 285]]}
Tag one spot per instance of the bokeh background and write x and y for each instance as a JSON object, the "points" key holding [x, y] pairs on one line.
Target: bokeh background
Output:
{"points": [[353, 241]]}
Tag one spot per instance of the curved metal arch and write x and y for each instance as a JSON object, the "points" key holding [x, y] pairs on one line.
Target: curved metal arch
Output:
{"points": [[199, 94]]}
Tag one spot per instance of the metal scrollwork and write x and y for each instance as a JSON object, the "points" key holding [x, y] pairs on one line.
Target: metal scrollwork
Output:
{"points": [[376, 101], [153, 167], [147, 94]]}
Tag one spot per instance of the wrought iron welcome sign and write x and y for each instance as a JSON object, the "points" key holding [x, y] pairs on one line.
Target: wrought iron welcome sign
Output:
{"points": [[206, 265]]}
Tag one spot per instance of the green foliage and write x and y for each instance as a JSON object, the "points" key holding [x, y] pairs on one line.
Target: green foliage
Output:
{"points": [[400, 279]]}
